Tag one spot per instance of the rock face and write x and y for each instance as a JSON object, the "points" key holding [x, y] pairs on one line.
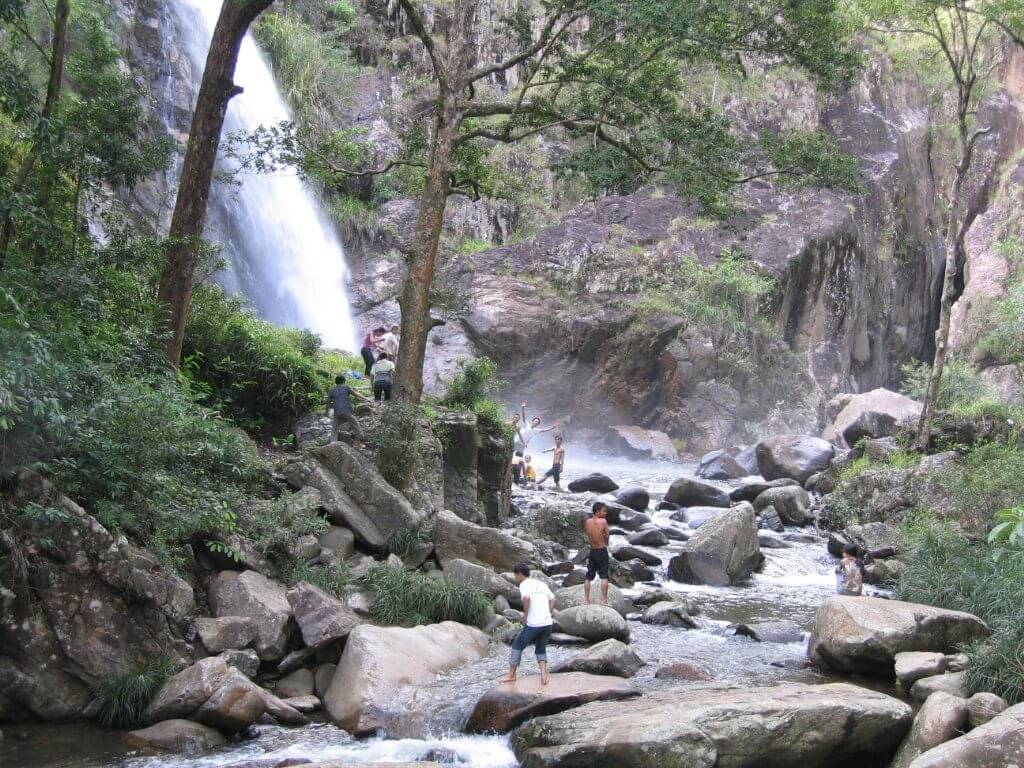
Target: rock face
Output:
{"points": [[610, 657], [507, 705], [322, 618], [594, 482], [941, 718], [813, 726], [377, 661], [688, 492], [253, 595], [592, 622], [999, 742], [864, 634], [874, 414], [640, 443], [181, 736], [793, 456], [457, 539], [724, 550]]}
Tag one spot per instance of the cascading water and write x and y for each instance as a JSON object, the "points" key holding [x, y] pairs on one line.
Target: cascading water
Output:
{"points": [[282, 253]]}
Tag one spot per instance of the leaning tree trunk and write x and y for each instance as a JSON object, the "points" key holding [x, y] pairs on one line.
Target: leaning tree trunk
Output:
{"points": [[53, 89], [189, 219]]}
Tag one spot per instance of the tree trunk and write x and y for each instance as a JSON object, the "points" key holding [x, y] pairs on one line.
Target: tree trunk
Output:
{"points": [[189, 218], [53, 89]]}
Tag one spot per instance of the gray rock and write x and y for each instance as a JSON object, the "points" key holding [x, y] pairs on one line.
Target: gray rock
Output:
{"points": [[695, 517], [720, 465], [322, 618], [572, 596], [296, 685], [650, 537], [982, 707], [322, 678], [295, 659], [911, 666], [957, 662], [690, 492], [791, 503], [457, 539], [593, 622], [226, 633], [781, 631], [313, 429], [176, 735], [304, 548], [233, 707], [339, 540], [723, 551], [950, 682], [634, 497], [245, 661], [870, 537], [186, 691], [255, 596], [669, 614], [793, 456], [594, 482], [304, 704], [626, 553], [751, 489], [874, 414], [769, 518], [766, 540], [999, 742], [639, 443], [941, 718], [609, 657], [684, 670], [482, 577]]}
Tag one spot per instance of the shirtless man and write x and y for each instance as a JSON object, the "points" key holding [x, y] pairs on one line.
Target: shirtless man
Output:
{"points": [[596, 530], [557, 462]]}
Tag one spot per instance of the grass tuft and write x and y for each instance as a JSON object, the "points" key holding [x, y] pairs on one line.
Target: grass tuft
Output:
{"points": [[408, 598], [124, 698]]}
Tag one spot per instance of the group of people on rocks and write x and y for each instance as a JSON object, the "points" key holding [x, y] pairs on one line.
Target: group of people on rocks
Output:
{"points": [[379, 351], [524, 471]]}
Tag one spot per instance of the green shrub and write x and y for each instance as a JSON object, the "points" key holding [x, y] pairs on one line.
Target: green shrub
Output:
{"points": [[405, 541], [331, 578], [989, 478], [961, 386], [124, 698], [408, 598], [397, 442], [472, 389]]}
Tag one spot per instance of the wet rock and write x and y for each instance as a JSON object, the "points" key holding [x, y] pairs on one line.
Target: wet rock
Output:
{"points": [[667, 505], [378, 661], [750, 490], [673, 534], [304, 704], [507, 705], [771, 631], [649, 537], [695, 517], [793, 456], [609, 657], [640, 443], [255, 596], [794, 665], [295, 659], [633, 521], [982, 707], [720, 465], [874, 414], [341, 541], [225, 633], [594, 482], [572, 596], [322, 618], [811, 725], [457, 539], [322, 678], [864, 634], [950, 682], [911, 666], [940, 719], [483, 578], [233, 707], [663, 595], [999, 742], [634, 497], [176, 735], [791, 503], [684, 670], [669, 614], [625, 553], [690, 492], [186, 691], [769, 519], [766, 540], [724, 550], [594, 622], [296, 685], [245, 661]]}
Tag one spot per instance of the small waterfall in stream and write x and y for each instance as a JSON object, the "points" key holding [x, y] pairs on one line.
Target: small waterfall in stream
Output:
{"points": [[281, 251]]}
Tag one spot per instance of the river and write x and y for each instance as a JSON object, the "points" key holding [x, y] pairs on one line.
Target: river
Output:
{"points": [[791, 585]]}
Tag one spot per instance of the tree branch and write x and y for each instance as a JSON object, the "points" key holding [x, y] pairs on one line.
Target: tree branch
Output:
{"points": [[428, 42], [545, 39]]}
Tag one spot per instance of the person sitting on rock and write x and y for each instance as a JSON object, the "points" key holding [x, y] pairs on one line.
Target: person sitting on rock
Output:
{"points": [[339, 400], [849, 579], [382, 372], [595, 528], [517, 468], [529, 470], [557, 462], [538, 602]]}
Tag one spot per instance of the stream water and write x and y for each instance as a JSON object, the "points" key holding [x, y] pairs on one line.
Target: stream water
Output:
{"points": [[791, 585]]}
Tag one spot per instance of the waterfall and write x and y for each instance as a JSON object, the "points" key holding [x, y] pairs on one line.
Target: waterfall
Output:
{"points": [[282, 252]]}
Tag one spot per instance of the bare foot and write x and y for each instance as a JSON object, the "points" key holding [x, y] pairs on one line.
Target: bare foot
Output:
{"points": [[604, 601], [544, 678], [507, 679]]}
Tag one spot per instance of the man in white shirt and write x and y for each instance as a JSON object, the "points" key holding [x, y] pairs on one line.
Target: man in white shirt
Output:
{"points": [[388, 343], [537, 624]]}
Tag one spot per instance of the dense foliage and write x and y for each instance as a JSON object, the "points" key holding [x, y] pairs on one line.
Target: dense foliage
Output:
{"points": [[124, 698], [473, 388], [409, 598]]}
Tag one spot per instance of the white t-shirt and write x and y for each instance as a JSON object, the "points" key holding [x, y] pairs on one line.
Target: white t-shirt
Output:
{"points": [[525, 433], [389, 343], [539, 614]]}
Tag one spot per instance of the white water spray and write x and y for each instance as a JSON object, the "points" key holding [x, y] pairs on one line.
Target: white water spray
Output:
{"points": [[282, 253]]}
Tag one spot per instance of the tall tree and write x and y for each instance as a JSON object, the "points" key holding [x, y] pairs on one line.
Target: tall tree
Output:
{"points": [[190, 207], [609, 75], [967, 40]]}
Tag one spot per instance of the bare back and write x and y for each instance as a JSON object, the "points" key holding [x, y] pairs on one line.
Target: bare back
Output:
{"points": [[596, 531]]}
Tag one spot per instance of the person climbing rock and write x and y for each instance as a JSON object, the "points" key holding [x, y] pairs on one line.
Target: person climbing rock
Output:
{"points": [[339, 400], [849, 578], [388, 343], [557, 462], [370, 342], [525, 431], [381, 374], [595, 528], [538, 602]]}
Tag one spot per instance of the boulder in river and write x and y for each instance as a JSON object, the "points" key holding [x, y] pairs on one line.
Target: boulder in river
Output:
{"points": [[941, 718], [634, 497], [639, 443], [999, 742], [458, 539], [506, 705], [264, 601], [720, 465], [669, 614], [609, 657], [781, 631], [864, 634], [723, 551], [751, 489], [593, 622], [378, 661], [181, 736], [811, 726], [793, 456], [322, 618], [627, 552], [690, 492], [648, 537], [595, 482], [792, 504], [183, 693]]}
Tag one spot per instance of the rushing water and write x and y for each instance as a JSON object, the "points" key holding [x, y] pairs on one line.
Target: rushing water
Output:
{"points": [[791, 585], [282, 253]]}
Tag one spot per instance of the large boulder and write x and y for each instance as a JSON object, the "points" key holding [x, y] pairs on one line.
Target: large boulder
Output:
{"points": [[626, 553], [811, 726], [724, 550], [610, 657], [182, 694], [911, 666], [720, 465], [999, 742], [226, 633], [780, 631], [322, 618], [507, 705], [233, 707], [669, 614], [342, 510], [648, 537], [457, 539], [593, 622], [864, 634], [378, 661], [595, 482], [634, 496], [181, 736], [264, 601], [571, 597], [953, 683], [341, 541], [690, 492], [941, 718], [751, 489], [639, 443], [870, 537], [874, 414], [793, 456], [482, 577], [792, 504]]}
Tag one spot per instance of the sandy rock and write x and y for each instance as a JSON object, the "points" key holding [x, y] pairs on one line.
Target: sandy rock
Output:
{"points": [[181, 736], [610, 657]]}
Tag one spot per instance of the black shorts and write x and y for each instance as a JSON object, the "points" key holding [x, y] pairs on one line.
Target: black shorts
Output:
{"points": [[597, 563], [555, 473]]}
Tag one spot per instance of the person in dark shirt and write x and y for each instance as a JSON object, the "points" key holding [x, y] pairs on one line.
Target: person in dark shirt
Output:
{"points": [[339, 399]]}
